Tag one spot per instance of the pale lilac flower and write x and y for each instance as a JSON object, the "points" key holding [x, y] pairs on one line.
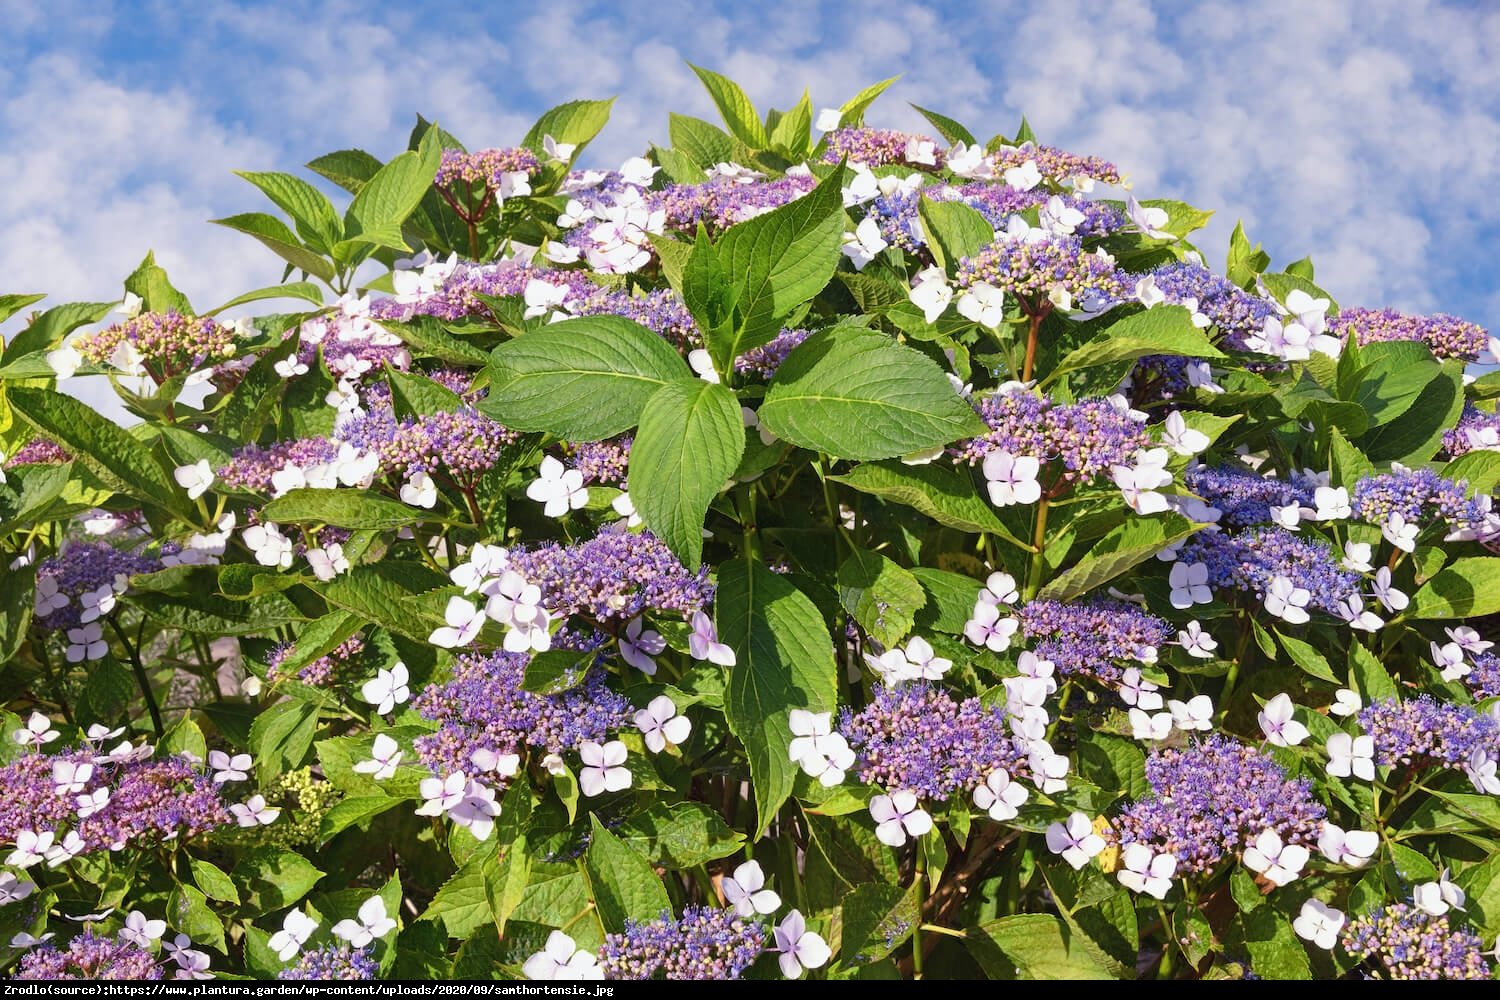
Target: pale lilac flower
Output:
{"points": [[371, 923], [1000, 796], [562, 959], [704, 644], [140, 931], [254, 812], [1012, 479], [1351, 848], [227, 768], [195, 478], [558, 489], [1195, 714], [746, 893], [1345, 703], [798, 948], [1189, 585], [1280, 863], [639, 645], [296, 928], [1144, 871], [38, 731], [603, 768], [1136, 690], [464, 622], [1277, 723], [897, 816], [1075, 840], [661, 726], [1287, 601], [1437, 898]]}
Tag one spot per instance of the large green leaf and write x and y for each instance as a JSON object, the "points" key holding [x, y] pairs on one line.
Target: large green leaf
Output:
{"points": [[689, 443], [383, 593], [584, 379], [149, 281], [575, 123], [737, 109], [1416, 436], [12, 304], [51, 326], [280, 738], [680, 835], [342, 509], [954, 231], [385, 200], [623, 883], [784, 660], [855, 393], [1162, 330], [703, 142], [852, 111], [311, 211], [947, 127], [942, 493], [881, 595], [1032, 946], [1130, 544], [280, 240], [1467, 589]]}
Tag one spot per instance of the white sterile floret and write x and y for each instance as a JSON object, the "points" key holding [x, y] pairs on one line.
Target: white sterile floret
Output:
{"points": [[931, 293], [369, 923], [603, 768], [559, 489], [1352, 848], [745, 891], [464, 621], [1194, 715], [1181, 438], [797, 947], [1279, 862], [1278, 725], [385, 756], [1319, 923], [1012, 479], [1000, 796], [1351, 755], [387, 689], [1142, 870], [661, 726], [984, 304], [195, 478], [898, 816], [562, 959]]}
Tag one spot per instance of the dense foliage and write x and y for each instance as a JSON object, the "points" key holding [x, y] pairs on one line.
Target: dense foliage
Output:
{"points": [[808, 549]]}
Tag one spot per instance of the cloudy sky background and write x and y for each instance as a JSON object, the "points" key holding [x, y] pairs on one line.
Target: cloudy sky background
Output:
{"points": [[1362, 133]]}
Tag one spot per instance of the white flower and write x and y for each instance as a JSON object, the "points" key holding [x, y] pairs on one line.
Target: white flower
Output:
{"points": [[1468, 639], [1148, 219], [1319, 923], [387, 689], [270, 546], [439, 795], [931, 293], [603, 768], [48, 599], [1147, 294], [1194, 714], [1393, 599], [1351, 755], [702, 364], [970, 162], [661, 726], [1287, 601], [328, 562], [1289, 342], [490, 762], [13, 888], [65, 361], [1146, 727], [746, 893], [141, 932], [923, 151], [561, 958], [1189, 585], [372, 923], [464, 622], [289, 368], [90, 803], [999, 588], [419, 491], [476, 810], [1345, 703], [31, 847], [1352, 610], [1075, 840], [1332, 504], [1012, 478], [1279, 863], [897, 816], [925, 663], [227, 768], [1480, 768], [638, 171], [1399, 533], [195, 478], [1352, 848], [385, 755], [987, 628], [798, 948], [559, 489], [1437, 898], [1450, 660], [820, 752], [1143, 870], [639, 644], [1288, 517], [625, 507], [254, 812], [1310, 312], [86, 643], [38, 731], [95, 603], [1277, 723], [1000, 796], [864, 187], [1137, 487], [828, 119], [864, 244], [485, 562], [984, 304], [1025, 177], [1136, 690], [1181, 438], [22, 939], [296, 928], [517, 604], [1200, 374], [704, 644]]}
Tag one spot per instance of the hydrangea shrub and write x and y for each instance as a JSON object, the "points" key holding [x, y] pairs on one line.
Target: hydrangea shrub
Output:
{"points": [[807, 550]]}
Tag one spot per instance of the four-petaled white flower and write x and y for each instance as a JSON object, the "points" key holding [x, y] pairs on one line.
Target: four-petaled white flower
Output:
{"points": [[1319, 923], [1352, 610], [1149, 219], [371, 923], [1357, 557], [388, 688], [1352, 848], [195, 478], [984, 304], [31, 848], [1287, 601], [864, 244], [1468, 639], [1449, 658], [897, 816], [1025, 177], [1279, 862], [296, 928], [254, 812], [1149, 727], [385, 755], [1481, 768], [1197, 642], [1075, 840], [999, 588], [660, 724], [1277, 723], [625, 507], [140, 931], [639, 645], [1138, 488], [1345, 703], [745, 891], [1181, 438], [559, 489], [1196, 713], [1351, 755], [464, 622], [227, 768], [816, 748], [543, 297], [1000, 796], [1400, 533], [797, 947], [65, 850], [1012, 478], [13, 888], [1143, 870], [439, 795], [1332, 503], [86, 643], [328, 562], [931, 293], [94, 604], [270, 546], [1136, 690], [603, 768], [562, 959], [48, 597], [419, 491], [1437, 898], [704, 644], [1189, 585], [986, 627], [1389, 596], [38, 731]]}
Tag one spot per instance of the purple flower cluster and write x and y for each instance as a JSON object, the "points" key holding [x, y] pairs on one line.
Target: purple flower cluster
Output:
{"points": [[1425, 732], [83, 567], [484, 166], [874, 147], [659, 311], [1475, 430], [458, 297], [1483, 677], [763, 361], [483, 707], [723, 201], [148, 800], [332, 667], [1446, 336], [1031, 271], [1250, 560], [166, 343], [1090, 638], [1086, 437], [1057, 165], [38, 451], [332, 962], [89, 956], [1420, 496], [1212, 798], [1410, 943], [615, 575], [916, 738], [896, 215], [998, 202], [463, 444], [602, 462], [1245, 498], [705, 943], [1236, 313], [252, 466]]}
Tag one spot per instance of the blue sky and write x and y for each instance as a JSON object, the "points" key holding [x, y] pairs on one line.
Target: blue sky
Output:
{"points": [[1361, 133]]}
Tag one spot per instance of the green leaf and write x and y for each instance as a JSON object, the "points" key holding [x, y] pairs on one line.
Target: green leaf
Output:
{"points": [[1369, 676], [149, 281], [188, 911], [1392, 377], [17, 602], [1128, 545], [882, 596], [852, 112], [950, 599], [1280, 285], [342, 509], [583, 379], [1162, 330], [792, 135], [708, 295], [383, 593], [1031, 946], [855, 393], [1275, 951], [350, 169], [1479, 469], [680, 835], [944, 494], [784, 660], [427, 335], [419, 396], [556, 670], [280, 738], [576, 123], [462, 904], [274, 878], [623, 884], [1312, 662], [954, 231], [1245, 262], [737, 110], [947, 127], [877, 919], [779, 260], [1470, 587], [1349, 463], [48, 330], [507, 870], [304, 290], [385, 200], [1416, 437], [689, 443], [250, 403], [213, 880], [275, 236], [121, 462], [184, 736], [353, 811], [705, 143], [12, 304], [311, 211], [677, 166]]}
